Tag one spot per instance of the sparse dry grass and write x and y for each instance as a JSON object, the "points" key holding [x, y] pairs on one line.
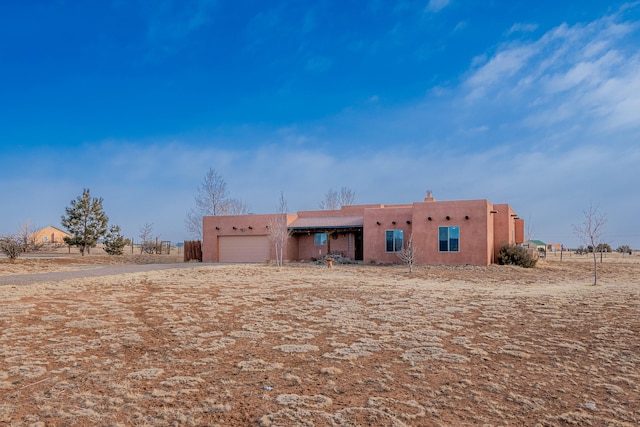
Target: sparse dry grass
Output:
{"points": [[306, 345]]}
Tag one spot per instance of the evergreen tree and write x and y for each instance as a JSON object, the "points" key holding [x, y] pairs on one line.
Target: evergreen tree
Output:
{"points": [[85, 221], [114, 243]]}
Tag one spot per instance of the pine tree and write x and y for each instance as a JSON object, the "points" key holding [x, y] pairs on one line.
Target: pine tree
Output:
{"points": [[86, 222], [114, 243]]}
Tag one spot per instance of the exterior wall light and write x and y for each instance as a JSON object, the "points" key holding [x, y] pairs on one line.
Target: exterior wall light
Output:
{"points": [[217, 228], [250, 228], [447, 217], [466, 217], [235, 228], [428, 218], [408, 222], [378, 222], [393, 222]]}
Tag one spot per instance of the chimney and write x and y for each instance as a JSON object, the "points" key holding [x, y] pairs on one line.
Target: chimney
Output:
{"points": [[429, 197]]}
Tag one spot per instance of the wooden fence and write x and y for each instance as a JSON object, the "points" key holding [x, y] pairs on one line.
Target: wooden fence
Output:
{"points": [[192, 250]]}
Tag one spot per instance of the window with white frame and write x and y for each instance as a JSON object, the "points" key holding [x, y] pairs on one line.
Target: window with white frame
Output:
{"points": [[449, 239], [394, 240], [320, 239]]}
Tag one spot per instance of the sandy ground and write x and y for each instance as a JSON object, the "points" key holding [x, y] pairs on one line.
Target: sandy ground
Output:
{"points": [[311, 346]]}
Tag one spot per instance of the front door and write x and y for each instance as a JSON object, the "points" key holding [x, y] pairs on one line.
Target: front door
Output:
{"points": [[359, 253]]}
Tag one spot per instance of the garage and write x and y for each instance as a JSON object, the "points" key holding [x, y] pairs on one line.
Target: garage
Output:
{"points": [[244, 248]]}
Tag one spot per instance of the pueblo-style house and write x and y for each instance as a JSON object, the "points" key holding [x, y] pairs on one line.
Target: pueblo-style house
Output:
{"points": [[457, 232], [48, 236]]}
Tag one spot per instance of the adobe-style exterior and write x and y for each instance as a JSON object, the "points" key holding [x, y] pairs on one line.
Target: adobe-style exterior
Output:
{"points": [[444, 232], [48, 236]]}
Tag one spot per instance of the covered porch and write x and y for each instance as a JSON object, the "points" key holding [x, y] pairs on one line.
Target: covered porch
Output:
{"points": [[319, 236]]}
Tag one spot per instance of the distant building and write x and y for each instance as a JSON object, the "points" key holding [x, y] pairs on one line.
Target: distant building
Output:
{"points": [[48, 235], [554, 247], [537, 245], [444, 232]]}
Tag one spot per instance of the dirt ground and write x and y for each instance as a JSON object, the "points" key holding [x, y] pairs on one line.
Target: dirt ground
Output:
{"points": [[305, 345]]}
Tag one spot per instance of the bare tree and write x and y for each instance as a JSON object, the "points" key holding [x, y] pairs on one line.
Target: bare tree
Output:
{"points": [[25, 231], [334, 200], [530, 231], [409, 254], [147, 244], [11, 246], [330, 201], [282, 207], [347, 196], [590, 233], [212, 199], [236, 207], [278, 230], [279, 234]]}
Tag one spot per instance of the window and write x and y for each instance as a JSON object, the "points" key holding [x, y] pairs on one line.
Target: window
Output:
{"points": [[394, 240], [320, 238], [449, 239]]}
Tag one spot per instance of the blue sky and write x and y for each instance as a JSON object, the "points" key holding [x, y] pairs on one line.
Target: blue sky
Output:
{"points": [[535, 104]]}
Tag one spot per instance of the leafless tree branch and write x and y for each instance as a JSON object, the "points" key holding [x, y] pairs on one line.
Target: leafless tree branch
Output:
{"points": [[212, 199], [409, 254], [334, 200], [590, 233]]}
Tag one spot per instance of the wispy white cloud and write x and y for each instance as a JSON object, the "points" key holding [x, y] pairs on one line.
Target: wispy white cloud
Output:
{"points": [[502, 66], [586, 73], [461, 25], [521, 27], [435, 6]]}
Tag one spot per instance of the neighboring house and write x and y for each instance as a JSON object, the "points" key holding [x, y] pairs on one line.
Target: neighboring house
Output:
{"points": [[444, 232], [48, 235], [554, 247], [535, 244]]}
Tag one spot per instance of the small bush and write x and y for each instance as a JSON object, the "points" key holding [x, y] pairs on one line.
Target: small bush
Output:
{"points": [[11, 246], [516, 255]]}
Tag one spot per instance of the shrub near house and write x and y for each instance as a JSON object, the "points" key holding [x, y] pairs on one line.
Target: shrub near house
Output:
{"points": [[516, 255]]}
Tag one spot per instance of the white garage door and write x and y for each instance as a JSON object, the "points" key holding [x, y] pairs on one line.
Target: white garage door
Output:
{"points": [[244, 248]]}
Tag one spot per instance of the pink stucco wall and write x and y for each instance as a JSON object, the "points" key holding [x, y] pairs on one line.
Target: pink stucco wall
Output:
{"points": [[505, 230], [473, 218], [483, 227], [519, 230], [376, 223], [235, 225]]}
